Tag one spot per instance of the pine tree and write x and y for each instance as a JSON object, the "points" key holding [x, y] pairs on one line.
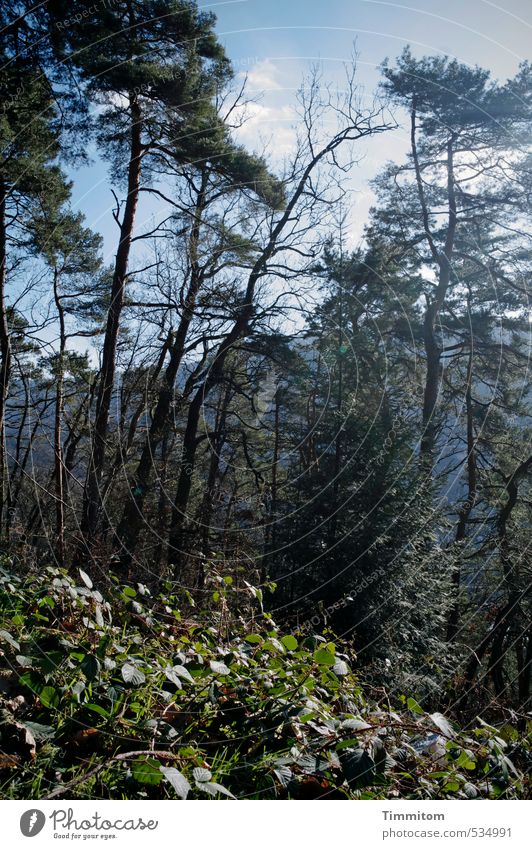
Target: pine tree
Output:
{"points": [[141, 62], [31, 183]]}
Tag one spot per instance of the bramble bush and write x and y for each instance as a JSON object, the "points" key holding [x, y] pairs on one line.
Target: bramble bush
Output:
{"points": [[117, 696]]}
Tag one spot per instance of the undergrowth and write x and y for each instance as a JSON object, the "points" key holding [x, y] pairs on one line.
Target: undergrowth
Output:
{"points": [[118, 697]]}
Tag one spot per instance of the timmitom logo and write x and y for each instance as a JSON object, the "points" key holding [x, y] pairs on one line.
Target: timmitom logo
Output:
{"points": [[32, 822]]}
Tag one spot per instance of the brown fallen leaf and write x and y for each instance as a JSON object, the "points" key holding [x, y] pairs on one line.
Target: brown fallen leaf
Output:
{"points": [[86, 737], [9, 761], [26, 741]]}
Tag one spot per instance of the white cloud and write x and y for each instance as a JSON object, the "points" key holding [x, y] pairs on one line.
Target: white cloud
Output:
{"points": [[263, 76], [270, 116], [270, 127]]}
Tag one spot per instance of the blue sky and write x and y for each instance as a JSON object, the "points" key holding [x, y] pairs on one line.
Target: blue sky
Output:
{"points": [[497, 35], [273, 43]]}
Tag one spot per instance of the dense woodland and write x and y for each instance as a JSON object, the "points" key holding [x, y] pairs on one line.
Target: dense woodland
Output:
{"points": [[265, 497]]}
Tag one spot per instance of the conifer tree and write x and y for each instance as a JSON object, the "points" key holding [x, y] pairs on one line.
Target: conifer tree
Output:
{"points": [[32, 184], [141, 62]]}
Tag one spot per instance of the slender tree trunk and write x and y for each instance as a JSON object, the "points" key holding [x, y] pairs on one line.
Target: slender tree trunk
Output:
{"points": [[162, 505], [76, 430], [507, 616], [190, 437], [5, 360], [338, 446], [443, 263], [20, 465], [133, 516], [125, 446], [270, 535], [525, 669], [92, 494], [468, 505], [59, 466], [214, 465]]}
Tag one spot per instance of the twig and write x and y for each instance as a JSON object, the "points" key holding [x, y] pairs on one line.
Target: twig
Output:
{"points": [[59, 791]]}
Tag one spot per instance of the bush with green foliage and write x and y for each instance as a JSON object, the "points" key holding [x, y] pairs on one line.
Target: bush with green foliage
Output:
{"points": [[119, 697]]}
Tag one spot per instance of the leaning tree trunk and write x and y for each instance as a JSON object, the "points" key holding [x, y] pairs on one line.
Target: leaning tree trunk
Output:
{"points": [[92, 493], [239, 329], [191, 440]]}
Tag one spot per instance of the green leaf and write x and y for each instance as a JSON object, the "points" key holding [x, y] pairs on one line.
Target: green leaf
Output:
{"points": [[465, 761], [39, 731], [340, 668], [273, 645], [98, 709], [32, 681], [253, 639], [201, 774], [289, 642], [414, 706], [6, 637], [213, 789], [324, 657], [177, 780], [306, 717], [183, 672], [355, 724], [358, 767], [90, 666], [85, 578], [132, 675], [350, 743], [47, 601], [219, 667], [147, 771], [441, 722], [173, 677], [49, 697]]}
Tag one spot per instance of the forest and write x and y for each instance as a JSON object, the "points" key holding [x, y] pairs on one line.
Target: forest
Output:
{"points": [[265, 488]]}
